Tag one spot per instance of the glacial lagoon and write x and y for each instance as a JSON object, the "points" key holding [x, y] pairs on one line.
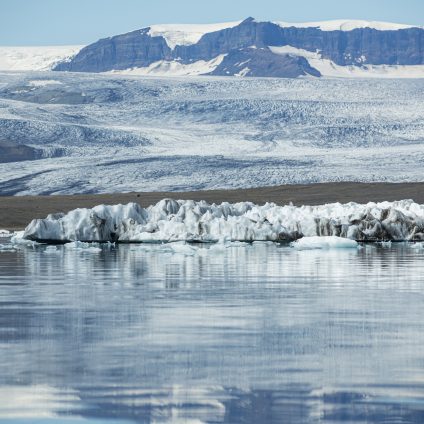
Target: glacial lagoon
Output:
{"points": [[237, 333]]}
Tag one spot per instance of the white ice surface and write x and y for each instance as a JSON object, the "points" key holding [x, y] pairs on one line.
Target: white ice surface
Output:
{"points": [[186, 34], [328, 68], [5, 233], [37, 58], [19, 240], [325, 242], [170, 221], [179, 134], [43, 82], [347, 25]]}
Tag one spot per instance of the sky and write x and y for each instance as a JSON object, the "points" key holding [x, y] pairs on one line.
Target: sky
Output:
{"points": [[74, 22]]}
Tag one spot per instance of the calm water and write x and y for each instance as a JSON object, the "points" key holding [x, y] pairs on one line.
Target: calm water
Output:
{"points": [[257, 334]]}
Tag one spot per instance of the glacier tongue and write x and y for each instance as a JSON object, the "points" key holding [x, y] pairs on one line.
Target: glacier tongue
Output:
{"points": [[186, 220]]}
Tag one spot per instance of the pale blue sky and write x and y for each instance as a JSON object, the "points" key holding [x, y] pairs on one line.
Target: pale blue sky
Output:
{"points": [[57, 22]]}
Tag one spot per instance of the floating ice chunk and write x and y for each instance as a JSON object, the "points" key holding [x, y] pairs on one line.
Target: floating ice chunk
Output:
{"points": [[83, 247], [5, 233], [51, 249], [102, 223], [152, 247], [241, 244], [183, 248], [418, 246], [219, 247], [93, 249], [326, 242], [186, 220], [7, 248], [18, 239], [385, 244]]}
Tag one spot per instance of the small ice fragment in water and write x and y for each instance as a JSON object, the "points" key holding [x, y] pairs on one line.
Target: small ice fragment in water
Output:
{"points": [[327, 242], [182, 248], [7, 248], [19, 240], [83, 247], [219, 247]]}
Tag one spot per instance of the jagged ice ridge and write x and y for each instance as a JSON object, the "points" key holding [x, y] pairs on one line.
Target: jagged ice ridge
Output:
{"points": [[185, 220]]}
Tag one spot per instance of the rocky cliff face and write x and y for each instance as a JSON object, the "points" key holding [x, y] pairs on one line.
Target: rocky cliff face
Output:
{"points": [[135, 49], [261, 62], [360, 46]]}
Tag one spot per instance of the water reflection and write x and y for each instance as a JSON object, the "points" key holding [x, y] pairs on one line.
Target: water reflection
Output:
{"points": [[247, 334]]}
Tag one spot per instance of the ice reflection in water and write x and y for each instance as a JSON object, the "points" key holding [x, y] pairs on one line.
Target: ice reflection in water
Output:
{"points": [[246, 334]]}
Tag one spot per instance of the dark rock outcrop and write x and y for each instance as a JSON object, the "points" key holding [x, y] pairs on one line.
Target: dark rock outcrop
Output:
{"points": [[263, 63], [135, 49]]}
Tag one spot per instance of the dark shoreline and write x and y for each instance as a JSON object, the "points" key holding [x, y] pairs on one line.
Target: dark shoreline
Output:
{"points": [[16, 212]]}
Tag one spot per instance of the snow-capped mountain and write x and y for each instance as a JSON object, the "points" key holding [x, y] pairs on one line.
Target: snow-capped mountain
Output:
{"points": [[262, 49]]}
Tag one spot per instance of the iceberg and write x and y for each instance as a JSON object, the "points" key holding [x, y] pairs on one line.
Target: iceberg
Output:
{"points": [[191, 221]]}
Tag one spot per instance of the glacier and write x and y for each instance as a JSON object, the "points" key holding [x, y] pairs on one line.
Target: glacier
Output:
{"points": [[347, 25], [186, 34], [190, 221], [35, 58], [199, 133]]}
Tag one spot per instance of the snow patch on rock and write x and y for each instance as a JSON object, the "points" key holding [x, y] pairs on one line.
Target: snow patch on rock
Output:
{"points": [[186, 34], [174, 68], [328, 68]]}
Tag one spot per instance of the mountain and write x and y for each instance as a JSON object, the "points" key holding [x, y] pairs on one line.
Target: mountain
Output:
{"points": [[261, 49]]}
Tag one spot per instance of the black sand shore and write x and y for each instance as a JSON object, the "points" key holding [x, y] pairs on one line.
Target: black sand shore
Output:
{"points": [[17, 212]]}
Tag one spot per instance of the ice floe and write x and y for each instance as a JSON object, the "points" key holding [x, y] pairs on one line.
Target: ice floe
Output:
{"points": [[83, 247], [7, 248], [325, 242], [51, 249], [5, 233], [18, 239], [185, 220]]}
